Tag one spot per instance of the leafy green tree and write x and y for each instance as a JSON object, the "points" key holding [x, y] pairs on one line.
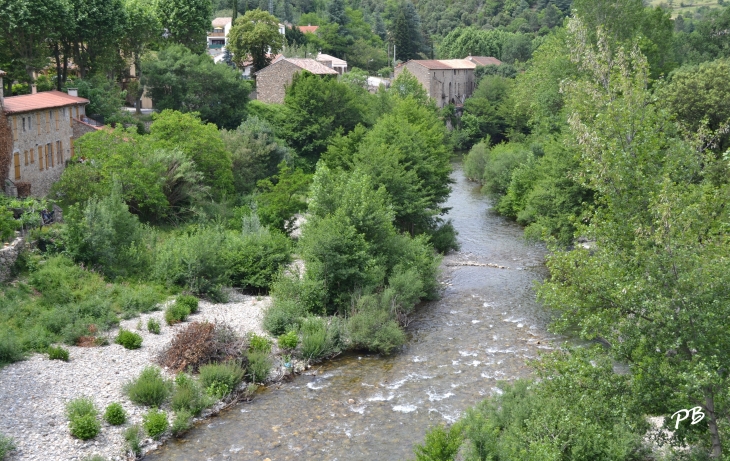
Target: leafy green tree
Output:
{"points": [[282, 197], [407, 85], [25, 25], [200, 141], [654, 286], [98, 27], [465, 41], [255, 152], [318, 108], [105, 97], [699, 96], [180, 80], [255, 34], [186, 22], [143, 30]]}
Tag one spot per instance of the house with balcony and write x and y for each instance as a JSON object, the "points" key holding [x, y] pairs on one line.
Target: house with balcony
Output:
{"points": [[218, 36]]}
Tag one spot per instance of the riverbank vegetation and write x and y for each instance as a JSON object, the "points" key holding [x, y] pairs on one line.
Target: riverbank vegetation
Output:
{"points": [[604, 147]]}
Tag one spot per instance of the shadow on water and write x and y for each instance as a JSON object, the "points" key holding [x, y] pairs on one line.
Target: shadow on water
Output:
{"points": [[483, 329]]}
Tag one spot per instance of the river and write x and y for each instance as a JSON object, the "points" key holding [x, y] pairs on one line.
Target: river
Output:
{"points": [[483, 329]]}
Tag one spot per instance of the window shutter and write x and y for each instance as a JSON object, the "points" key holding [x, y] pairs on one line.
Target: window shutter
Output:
{"points": [[40, 158], [38, 119], [17, 165], [25, 154], [32, 155], [48, 123], [58, 116]]}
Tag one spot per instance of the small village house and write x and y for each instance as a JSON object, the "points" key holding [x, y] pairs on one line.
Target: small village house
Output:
{"points": [[447, 81], [38, 139], [271, 81], [340, 65]]}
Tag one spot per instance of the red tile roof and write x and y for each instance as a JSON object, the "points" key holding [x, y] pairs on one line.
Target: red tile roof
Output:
{"points": [[485, 60], [38, 101], [308, 29]]}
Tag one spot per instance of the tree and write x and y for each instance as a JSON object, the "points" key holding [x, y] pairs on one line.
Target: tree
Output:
{"points": [[282, 196], [655, 285], [25, 25], [201, 142], [318, 108], [255, 34], [180, 80], [98, 28], [255, 151], [143, 29], [186, 22]]}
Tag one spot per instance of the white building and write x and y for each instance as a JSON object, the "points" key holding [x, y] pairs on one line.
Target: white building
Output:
{"points": [[333, 63]]}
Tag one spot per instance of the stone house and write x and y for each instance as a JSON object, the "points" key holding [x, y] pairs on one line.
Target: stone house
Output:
{"points": [[271, 81], [447, 81], [42, 130], [340, 65]]}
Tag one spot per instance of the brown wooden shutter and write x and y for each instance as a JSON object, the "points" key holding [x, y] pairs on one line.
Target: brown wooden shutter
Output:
{"points": [[32, 155], [50, 155], [48, 123], [58, 117], [17, 165], [40, 158], [38, 119], [26, 157]]}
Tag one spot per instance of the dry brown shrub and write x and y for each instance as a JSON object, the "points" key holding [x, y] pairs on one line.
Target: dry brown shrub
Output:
{"points": [[200, 343]]}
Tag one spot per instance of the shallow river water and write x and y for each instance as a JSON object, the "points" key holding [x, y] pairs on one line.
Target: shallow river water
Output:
{"points": [[483, 328]]}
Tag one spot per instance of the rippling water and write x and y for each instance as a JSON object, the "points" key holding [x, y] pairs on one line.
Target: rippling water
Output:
{"points": [[482, 330]]}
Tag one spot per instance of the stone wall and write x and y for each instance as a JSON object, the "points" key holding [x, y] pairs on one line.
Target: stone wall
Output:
{"points": [[80, 128], [445, 86], [272, 81], [8, 255]]}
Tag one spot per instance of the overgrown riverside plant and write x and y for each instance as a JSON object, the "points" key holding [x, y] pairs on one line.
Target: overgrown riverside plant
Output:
{"points": [[176, 313], [220, 379], [115, 414], [259, 343], [259, 366], [129, 339], [289, 340], [83, 417], [58, 353], [189, 396], [155, 423], [188, 301], [153, 326], [133, 436], [149, 389], [181, 423]]}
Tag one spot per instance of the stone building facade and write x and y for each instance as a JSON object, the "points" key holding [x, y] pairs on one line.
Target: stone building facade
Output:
{"points": [[447, 81], [272, 80], [43, 127]]}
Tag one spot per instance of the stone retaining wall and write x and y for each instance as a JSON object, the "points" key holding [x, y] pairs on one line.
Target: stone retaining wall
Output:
{"points": [[8, 255]]}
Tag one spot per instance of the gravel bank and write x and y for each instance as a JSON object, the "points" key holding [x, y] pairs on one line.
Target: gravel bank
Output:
{"points": [[33, 393]]}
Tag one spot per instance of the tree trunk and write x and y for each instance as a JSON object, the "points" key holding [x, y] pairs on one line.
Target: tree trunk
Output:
{"points": [[57, 57], [712, 425]]}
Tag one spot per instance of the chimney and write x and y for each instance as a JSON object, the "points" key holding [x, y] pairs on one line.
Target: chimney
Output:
{"points": [[33, 89], [73, 91], [2, 90]]}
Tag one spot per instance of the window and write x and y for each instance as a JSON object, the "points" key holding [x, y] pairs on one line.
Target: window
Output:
{"points": [[40, 158], [23, 124], [32, 156], [48, 121], [30, 123], [59, 152], [39, 124], [26, 157], [58, 117], [49, 155]]}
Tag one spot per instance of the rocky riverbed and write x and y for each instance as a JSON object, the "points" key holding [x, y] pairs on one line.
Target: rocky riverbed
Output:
{"points": [[34, 392]]}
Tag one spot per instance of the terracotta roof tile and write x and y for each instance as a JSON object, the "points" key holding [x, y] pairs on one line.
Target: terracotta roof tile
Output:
{"points": [[308, 29], [38, 101], [312, 66]]}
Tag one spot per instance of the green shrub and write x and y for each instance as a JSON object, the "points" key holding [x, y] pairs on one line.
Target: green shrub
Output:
{"points": [[129, 339], [176, 313], [289, 341], [106, 236], [58, 353], [85, 427], [190, 301], [82, 414], [188, 395], [439, 444], [10, 349], [153, 326], [149, 389], [375, 330], [81, 406], [182, 423], [115, 414], [133, 436], [259, 343], [259, 366], [318, 339], [92, 458], [253, 260], [220, 379], [155, 423], [138, 298], [443, 238], [193, 261], [6, 445], [501, 162], [8, 225], [282, 315], [476, 160]]}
